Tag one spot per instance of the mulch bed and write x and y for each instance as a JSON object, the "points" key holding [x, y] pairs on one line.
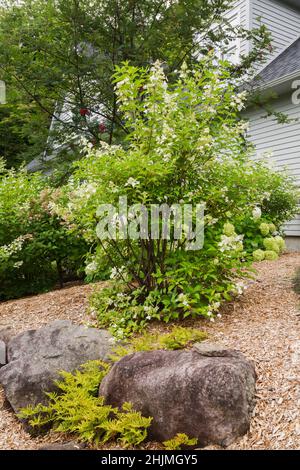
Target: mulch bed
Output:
{"points": [[264, 323]]}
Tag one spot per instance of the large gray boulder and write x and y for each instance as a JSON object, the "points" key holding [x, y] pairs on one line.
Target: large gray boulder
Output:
{"points": [[207, 394], [36, 357], [2, 353], [6, 334]]}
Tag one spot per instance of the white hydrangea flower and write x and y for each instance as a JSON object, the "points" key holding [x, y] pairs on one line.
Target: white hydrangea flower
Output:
{"points": [[18, 264], [230, 243], [256, 213], [132, 182], [240, 287], [91, 268], [117, 273]]}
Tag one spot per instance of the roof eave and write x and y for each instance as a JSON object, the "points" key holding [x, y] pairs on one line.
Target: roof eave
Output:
{"points": [[279, 81]]}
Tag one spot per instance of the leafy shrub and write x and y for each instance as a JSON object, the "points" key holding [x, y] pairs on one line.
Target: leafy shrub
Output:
{"points": [[271, 245], [185, 145], [280, 243], [178, 338], [260, 236], [264, 229], [258, 255], [271, 255], [281, 196], [35, 247], [178, 441], [77, 409]]}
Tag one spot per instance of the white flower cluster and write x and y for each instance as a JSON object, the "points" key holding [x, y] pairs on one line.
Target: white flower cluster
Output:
{"points": [[157, 77], [238, 101], [132, 182], [212, 309], [6, 251], [85, 190], [150, 311], [256, 213], [182, 299], [240, 287], [91, 268], [231, 243], [118, 273]]}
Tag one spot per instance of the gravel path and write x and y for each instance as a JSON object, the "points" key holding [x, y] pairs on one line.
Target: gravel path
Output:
{"points": [[264, 324]]}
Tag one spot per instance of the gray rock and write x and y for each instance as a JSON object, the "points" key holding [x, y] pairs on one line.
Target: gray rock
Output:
{"points": [[36, 357], [72, 445], [210, 397], [6, 334], [2, 353], [210, 349]]}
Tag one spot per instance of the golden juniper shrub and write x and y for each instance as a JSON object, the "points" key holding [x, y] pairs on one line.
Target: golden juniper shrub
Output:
{"points": [[77, 409], [129, 425], [181, 337], [178, 441], [178, 338]]}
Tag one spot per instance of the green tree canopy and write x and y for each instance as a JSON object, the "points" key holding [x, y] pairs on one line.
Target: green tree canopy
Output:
{"points": [[62, 53]]}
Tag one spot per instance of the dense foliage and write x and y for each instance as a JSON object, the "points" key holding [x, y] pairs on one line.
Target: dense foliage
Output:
{"points": [[180, 441], [57, 58], [186, 145], [36, 249], [177, 338], [77, 409]]}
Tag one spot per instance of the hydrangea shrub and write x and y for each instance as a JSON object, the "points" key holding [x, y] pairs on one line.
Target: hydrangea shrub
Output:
{"points": [[185, 145], [35, 246]]}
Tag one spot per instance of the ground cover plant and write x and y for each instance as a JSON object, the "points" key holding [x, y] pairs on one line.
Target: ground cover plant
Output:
{"points": [[76, 409]]}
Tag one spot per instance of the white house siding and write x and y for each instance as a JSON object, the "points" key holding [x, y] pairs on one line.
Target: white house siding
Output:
{"points": [[283, 140], [239, 16], [282, 21]]}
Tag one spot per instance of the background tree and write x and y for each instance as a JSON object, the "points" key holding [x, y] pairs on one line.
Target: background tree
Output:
{"points": [[59, 56]]}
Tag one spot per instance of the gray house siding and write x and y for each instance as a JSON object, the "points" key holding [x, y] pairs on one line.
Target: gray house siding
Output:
{"points": [[240, 14], [280, 17], [282, 20], [283, 140]]}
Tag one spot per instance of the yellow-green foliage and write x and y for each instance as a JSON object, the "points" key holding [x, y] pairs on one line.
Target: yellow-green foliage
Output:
{"points": [[178, 441], [128, 424], [280, 243], [258, 255], [272, 228], [181, 337], [271, 255], [77, 409], [264, 229], [229, 229], [270, 244], [178, 338]]}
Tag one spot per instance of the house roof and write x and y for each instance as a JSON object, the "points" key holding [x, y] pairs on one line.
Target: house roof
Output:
{"points": [[283, 66], [292, 3]]}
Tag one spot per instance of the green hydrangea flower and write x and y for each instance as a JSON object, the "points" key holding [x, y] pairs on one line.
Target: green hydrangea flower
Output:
{"points": [[258, 255], [271, 255], [264, 229], [272, 228], [272, 245], [229, 229], [239, 246], [280, 243]]}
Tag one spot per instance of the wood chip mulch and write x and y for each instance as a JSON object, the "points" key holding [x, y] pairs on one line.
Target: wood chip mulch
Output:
{"points": [[264, 323]]}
